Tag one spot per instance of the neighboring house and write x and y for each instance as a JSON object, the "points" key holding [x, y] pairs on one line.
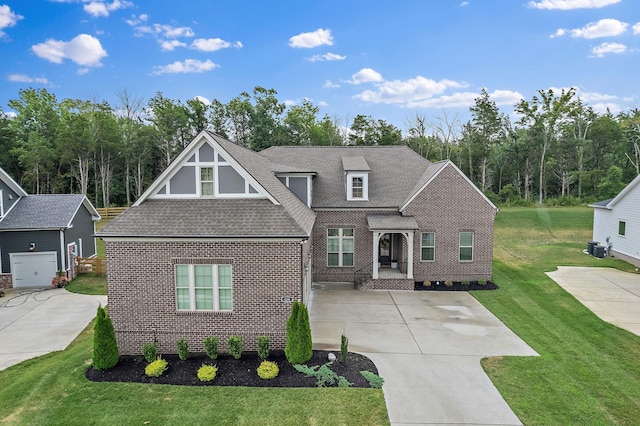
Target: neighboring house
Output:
{"points": [[226, 238], [42, 234], [616, 223]]}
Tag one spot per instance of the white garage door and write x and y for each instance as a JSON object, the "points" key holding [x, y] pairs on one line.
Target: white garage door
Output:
{"points": [[33, 269]]}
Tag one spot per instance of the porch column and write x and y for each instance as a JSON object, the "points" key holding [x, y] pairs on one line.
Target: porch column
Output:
{"points": [[410, 254], [374, 266]]}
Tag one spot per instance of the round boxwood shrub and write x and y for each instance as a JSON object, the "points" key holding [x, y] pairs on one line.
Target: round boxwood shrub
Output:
{"points": [[268, 370], [207, 373]]}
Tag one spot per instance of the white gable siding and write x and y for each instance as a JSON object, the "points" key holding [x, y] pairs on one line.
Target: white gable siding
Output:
{"points": [[605, 224]]}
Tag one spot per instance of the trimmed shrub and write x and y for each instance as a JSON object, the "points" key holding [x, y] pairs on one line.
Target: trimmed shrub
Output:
{"points": [[448, 283], [105, 346], [207, 373], [156, 368], [150, 351], [263, 347], [235, 346], [426, 283], [482, 281], [183, 349], [464, 283], [344, 348], [211, 346], [268, 370], [298, 347], [374, 380], [292, 344]]}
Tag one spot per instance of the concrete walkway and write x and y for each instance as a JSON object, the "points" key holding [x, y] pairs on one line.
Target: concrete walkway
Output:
{"points": [[426, 345], [611, 294], [34, 322]]}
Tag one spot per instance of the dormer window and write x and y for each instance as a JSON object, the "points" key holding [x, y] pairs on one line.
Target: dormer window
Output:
{"points": [[356, 171], [357, 186]]}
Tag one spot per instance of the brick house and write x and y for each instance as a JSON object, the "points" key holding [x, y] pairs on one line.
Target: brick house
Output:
{"points": [[225, 238]]}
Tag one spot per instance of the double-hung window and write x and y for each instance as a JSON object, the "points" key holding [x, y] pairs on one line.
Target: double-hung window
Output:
{"points": [[357, 187], [203, 287], [206, 181], [428, 247], [340, 247], [466, 246]]}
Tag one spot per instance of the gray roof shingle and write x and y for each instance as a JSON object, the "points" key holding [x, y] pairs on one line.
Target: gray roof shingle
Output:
{"points": [[42, 212], [395, 172]]}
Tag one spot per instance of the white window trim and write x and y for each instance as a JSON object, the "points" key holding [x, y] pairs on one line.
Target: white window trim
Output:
{"points": [[433, 246], [341, 252], [365, 186], [1, 203], [309, 187], [472, 246], [192, 287]]}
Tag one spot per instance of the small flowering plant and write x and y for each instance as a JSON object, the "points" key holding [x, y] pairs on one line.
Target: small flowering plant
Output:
{"points": [[59, 281]]}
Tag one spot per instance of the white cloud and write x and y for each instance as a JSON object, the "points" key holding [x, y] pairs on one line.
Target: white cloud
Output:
{"points": [[605, 48], [602, 108], [327, 57], [213, 44], [82, 71], [169, 45], [323, 104], [163, 30], [329, 85], [100, 8], [8, 18], [83, 49], [636, 28], [365, 75], [188, 66], [571, 4], [202, 99], [595, 97], [464, 3], [290, 102], [603, 28], [412, 90], [23, 78], [467, 99], [312, 39], [136, 20]]}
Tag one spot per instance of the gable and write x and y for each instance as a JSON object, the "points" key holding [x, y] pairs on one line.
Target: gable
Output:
{"points": [[205, 170], [10, 192]]}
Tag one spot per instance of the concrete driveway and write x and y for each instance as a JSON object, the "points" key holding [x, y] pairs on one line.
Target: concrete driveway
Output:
{"points": [[426, 345], [34, 322], [611, 294]]}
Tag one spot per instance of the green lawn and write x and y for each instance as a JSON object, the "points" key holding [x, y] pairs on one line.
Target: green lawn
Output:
{"points": [[589, 370]]}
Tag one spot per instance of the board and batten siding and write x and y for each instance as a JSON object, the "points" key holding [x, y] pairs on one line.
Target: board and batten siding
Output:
{"points": [[605, 224], [18, 242], [83, 228]]}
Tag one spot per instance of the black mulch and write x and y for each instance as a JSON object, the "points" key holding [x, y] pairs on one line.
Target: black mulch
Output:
{"points": [[232, 372], [455, 286]]}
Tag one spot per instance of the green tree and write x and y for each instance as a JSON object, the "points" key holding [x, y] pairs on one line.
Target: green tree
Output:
{"points": [[35, 127], [544, 116], [300, 123], [304, 329], [105, 346], [292, 344], [266, 120], [171, 120], [486, 131], [239, 111]]}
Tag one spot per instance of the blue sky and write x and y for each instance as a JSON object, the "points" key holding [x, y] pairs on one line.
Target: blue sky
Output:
{"points": [[388, 59]]}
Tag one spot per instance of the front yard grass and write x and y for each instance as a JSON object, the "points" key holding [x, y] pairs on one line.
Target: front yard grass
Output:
{"points": [[588, 370], [52, 390]]}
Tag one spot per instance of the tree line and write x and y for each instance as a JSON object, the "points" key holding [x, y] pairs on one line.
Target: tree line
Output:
{"points": [[556, 149]]}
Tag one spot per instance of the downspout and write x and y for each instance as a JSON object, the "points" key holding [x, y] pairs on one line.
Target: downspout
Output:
{"points": [[63, 257]]}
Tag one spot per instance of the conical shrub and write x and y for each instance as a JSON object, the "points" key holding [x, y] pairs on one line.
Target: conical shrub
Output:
{"points": [[293, 338], [105, 346], [304, 329]]}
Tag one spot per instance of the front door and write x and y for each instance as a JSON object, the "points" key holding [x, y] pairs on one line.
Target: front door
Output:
{"points": [[384, 250]]}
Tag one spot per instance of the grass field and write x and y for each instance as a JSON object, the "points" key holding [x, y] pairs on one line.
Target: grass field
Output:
{"points": [[589, 370]]}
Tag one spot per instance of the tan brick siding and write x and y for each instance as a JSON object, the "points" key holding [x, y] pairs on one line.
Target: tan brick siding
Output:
{"points": [[6, 281], [447, 206], [142, 303]]}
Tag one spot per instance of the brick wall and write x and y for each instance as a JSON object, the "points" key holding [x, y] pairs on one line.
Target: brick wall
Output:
{"points": [[447, 206], [141, 291], [6, 281]]}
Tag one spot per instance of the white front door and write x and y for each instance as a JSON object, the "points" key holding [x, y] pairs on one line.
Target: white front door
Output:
{"points": [[33, 269]]}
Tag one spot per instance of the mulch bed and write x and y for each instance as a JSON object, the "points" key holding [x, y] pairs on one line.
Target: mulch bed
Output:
{"points": [[455, 286], [232, 372]]}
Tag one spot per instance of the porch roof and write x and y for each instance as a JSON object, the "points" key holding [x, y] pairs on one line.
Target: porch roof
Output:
{"points": [[391, 222]]}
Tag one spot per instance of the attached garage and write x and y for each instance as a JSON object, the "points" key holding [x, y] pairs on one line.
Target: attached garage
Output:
{"points": [[33, 269]]}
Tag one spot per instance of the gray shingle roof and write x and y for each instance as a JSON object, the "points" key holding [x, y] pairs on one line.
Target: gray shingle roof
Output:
{"points": [[395, 172], [391, 222], [602, 203], [204, 217], [42, 212], [355, 164]]}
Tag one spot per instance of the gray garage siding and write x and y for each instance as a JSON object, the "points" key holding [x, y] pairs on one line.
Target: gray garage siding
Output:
{"points": [[18, 242], [82, 228]]}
